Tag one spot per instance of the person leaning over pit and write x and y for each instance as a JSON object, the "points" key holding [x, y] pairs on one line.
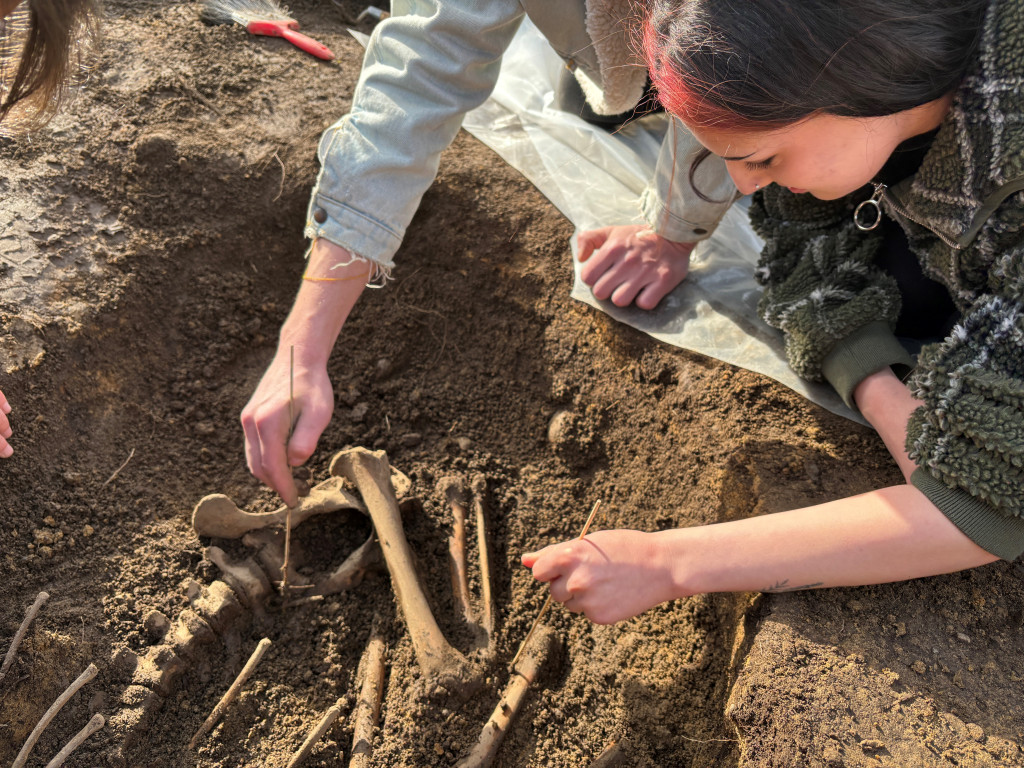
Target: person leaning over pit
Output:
{"points": [[425, 67], [40, 46], [883, 142]]}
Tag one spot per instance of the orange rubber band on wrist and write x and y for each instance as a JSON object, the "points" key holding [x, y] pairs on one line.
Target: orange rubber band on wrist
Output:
{"points": [[312, 279]]}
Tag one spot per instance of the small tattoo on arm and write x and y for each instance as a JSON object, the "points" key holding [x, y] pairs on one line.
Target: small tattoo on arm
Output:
{"points": [[784, 586]]}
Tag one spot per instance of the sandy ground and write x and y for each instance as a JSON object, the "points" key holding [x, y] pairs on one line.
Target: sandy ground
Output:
{"points": [[151, 247]]}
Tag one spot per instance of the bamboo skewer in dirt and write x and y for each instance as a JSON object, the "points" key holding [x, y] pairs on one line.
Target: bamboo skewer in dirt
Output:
{"points": [[288, 514], [547, 603], [82, 679], [97, 722], [232, 692], [263, 17], [30, 615]]}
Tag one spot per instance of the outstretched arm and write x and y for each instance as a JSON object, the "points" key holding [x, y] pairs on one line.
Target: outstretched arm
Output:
{"points": [[886, 535], [325, 299], [890, 534]]}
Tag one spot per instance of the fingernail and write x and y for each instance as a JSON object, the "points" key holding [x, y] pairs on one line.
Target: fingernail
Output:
{"points": [[7, 408], [6, 451]]}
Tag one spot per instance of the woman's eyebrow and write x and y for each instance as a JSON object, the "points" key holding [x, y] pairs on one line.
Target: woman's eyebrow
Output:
{"points": [[732, 159]]}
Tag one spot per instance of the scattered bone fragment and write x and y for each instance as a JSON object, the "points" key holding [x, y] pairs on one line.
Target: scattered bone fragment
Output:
{"points": [[613, 755], [232, 692], [455, 495], [368, 705], [216, 515], [370, 472], [244, 577], [543, 644], [30, 742], [269, 546], [479, 485], [30, 615], [315, 735], [352, 571], [97, 722]]}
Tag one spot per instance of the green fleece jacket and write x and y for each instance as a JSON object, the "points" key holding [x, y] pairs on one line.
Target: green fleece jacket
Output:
{"points": [[963, 213]]}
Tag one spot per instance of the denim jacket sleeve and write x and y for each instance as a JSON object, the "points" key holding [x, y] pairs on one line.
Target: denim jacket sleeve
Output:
{"points": [[670, 205], [425, 67]]}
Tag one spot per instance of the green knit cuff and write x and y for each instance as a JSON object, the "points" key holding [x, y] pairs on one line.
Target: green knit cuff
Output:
{"points": [[1002, 535], [868, 349]]}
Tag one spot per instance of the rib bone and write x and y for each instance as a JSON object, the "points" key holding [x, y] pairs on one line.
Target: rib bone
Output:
{"points": [[370, 472]]}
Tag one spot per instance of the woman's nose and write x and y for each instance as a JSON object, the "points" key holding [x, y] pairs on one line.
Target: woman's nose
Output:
{"points": [[746, 181]]}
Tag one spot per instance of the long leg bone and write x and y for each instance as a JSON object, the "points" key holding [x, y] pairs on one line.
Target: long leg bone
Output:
{"points": [[480, 511], [368, 706], [216, 515], [526, 671], [371, 474], [455, 494]]}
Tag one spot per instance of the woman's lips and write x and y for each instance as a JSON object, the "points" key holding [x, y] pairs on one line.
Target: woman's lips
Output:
{"points": [[796, 190]]}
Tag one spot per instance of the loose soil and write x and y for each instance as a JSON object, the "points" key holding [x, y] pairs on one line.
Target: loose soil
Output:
{"points": [[158, 227]]}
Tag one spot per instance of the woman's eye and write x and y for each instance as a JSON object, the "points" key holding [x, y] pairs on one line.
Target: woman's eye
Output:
{"points": [[760, 165]]}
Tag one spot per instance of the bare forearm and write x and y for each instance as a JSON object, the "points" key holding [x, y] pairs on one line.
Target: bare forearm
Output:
{"points": [[333, 283], [886, 535]]}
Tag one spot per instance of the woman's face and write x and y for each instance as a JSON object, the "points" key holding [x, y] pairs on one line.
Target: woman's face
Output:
{"points": [[824, 155]]}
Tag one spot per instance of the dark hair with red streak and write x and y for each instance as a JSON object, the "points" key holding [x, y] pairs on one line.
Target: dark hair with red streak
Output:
{"points": [[763, 64]]}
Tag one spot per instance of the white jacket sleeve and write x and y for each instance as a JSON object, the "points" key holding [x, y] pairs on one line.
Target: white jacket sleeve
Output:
{"points": [[425, 67], [671, 205]]}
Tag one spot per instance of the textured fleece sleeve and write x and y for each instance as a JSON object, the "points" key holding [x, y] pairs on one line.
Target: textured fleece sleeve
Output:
{"points": [[969, 435], [671, 205], [821, 286], [425, 67]]}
